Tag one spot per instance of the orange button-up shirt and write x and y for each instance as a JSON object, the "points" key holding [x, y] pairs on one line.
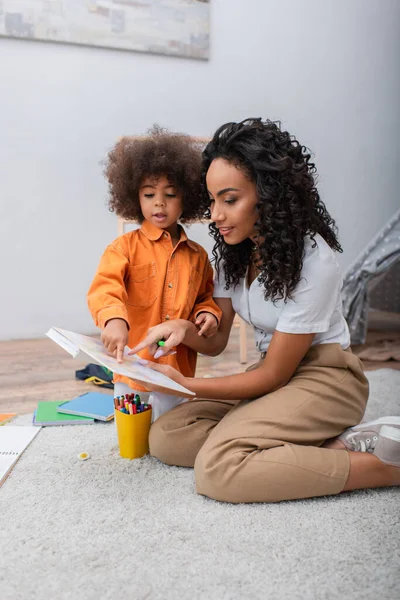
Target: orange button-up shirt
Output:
{"points": [[145, 280]]}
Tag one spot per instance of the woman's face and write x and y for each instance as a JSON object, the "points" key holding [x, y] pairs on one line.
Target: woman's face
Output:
{"points": [[233, 201]]}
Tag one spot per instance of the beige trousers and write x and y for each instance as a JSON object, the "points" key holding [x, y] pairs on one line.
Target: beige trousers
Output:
{"points": [[269, 449]]}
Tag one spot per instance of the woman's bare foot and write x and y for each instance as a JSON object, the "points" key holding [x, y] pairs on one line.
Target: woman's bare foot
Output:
{"points": [[369, 471]]}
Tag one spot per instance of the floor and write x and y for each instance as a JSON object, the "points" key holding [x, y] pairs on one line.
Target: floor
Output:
{"points": [[72, 523], [378, 344], [109, 528], [32, 370]]}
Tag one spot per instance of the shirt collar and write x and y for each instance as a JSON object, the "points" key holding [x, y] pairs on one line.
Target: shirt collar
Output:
{"points": [[151, 231], [154, 233]]}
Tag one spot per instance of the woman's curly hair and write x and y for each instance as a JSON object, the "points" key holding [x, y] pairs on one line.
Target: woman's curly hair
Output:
{"points": [[289, 205], [159, 153]]}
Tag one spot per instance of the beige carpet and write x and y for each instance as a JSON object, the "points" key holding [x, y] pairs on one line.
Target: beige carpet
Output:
{"points": [[113, 529]]}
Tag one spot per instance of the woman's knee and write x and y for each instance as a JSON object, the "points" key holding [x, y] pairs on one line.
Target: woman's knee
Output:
{"points": [[170, 440], [230, 475], [215, 475]]}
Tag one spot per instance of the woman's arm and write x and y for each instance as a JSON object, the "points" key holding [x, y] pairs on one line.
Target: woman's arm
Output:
{"points": [[284, 355], [180, 331]]}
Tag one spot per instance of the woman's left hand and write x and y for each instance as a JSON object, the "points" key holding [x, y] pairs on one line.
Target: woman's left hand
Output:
{"points": [[172, 374]]}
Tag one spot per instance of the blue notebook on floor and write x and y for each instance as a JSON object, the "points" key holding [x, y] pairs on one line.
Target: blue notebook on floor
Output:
{"points": [[92, 404]]}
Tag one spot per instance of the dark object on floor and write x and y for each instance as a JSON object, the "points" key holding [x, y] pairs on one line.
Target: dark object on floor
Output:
{"points": [[96, 374]]}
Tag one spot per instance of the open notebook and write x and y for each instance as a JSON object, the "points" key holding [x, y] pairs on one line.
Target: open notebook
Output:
{"points": [[13, 441]]}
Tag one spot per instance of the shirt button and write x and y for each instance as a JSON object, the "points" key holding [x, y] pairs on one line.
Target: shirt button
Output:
{"points": [[170, 285], [167, 317], [165, 234]]}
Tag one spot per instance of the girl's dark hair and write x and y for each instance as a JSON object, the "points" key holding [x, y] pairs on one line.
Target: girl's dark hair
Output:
{"points": [[158, 153], [289, 205]]}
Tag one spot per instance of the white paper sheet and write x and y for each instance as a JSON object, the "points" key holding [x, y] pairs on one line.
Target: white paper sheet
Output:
{"points": [[130, 367]]}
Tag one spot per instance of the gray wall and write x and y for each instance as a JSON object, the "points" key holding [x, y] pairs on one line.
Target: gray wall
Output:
{"points": [[329, 70]]}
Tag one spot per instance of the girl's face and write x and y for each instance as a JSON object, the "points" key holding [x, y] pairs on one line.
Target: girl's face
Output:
{"points": [[233, 202], [160, 203]]}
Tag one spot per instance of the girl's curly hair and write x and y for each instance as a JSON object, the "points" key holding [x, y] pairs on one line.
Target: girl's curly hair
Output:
{"points": [[158, 153], [289, 205]]}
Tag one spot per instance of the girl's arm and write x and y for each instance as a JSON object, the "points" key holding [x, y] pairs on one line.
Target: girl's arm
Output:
{"points": [[284, 355], [107, 295], [180, 331]]}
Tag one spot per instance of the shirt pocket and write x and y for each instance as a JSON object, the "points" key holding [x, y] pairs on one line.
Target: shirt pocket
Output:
{"points": [[195, 279], [141, 286]]}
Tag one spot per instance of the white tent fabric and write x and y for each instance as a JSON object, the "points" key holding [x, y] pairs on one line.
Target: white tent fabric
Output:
{"points": [[373, 281]]}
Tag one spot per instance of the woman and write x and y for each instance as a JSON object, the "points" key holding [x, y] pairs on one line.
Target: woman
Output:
{"points": [[279, 431]]}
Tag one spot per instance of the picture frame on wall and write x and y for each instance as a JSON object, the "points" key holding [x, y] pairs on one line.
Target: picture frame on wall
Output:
{"points": [[171, 27]]}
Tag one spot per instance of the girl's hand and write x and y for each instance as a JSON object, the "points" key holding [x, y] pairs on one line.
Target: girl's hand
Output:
{"points": [[172, 332], [115, 337], [172, 374], [208, 324]]}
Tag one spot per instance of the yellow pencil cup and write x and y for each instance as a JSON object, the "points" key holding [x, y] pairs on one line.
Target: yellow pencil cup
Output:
{"points": [[133, 433]]}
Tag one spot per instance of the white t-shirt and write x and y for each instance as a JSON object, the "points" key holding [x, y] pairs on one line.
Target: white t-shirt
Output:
{"points": [[315, 306]]}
